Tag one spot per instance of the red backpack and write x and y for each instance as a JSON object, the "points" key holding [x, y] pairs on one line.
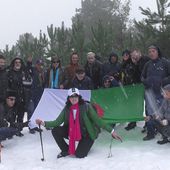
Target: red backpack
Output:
{"points": [[99, 110]]}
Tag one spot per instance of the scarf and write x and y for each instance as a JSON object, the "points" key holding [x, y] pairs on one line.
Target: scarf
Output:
{"points": [[54, 80], [74, 128]]}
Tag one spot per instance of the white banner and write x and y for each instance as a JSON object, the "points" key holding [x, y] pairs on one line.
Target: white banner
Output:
{"points": [[51, 104]]}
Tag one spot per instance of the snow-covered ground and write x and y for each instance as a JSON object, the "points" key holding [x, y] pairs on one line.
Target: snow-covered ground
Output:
{"points": [[133, 154]]}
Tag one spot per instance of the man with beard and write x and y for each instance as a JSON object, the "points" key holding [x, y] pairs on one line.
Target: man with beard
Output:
{"points": [[16, 77]]}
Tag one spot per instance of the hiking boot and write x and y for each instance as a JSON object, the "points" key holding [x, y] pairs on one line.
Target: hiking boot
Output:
{"points": [[32, 131], [144, 129], [19, 134], [62, 154], [37, 129], [163, 141], [10, 137], [130, 126], [148, 137]]}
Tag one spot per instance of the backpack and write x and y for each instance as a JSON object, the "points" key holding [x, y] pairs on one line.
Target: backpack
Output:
{"points": [[99, 110]]}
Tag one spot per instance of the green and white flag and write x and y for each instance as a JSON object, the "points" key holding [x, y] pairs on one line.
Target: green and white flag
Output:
{"points": [[120, 104]]}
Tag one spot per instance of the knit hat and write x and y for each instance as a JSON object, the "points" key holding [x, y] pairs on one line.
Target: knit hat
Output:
{"points": [[10, 93]]}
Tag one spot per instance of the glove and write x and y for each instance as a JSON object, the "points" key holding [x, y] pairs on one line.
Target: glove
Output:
{"points": [[147, 118], [164, 122]]}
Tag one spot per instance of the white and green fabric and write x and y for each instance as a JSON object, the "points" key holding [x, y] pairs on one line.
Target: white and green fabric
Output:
{"points": [[120, 104]]}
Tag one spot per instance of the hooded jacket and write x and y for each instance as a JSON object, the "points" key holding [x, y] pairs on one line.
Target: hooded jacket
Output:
{"points": [[110, 68]]}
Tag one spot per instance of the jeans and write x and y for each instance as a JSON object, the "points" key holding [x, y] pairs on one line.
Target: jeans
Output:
{"points": [[7, 132], [153, 101]]}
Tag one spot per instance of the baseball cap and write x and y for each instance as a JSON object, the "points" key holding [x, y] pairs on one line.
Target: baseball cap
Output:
{"points": [[73, 91]]}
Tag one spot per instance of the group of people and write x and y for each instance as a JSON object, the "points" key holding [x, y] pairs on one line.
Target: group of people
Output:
{"points": [[23, 85]]}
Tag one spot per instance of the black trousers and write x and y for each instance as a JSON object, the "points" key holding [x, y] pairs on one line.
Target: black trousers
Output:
{"points": [[61, 133], [163, 130]]}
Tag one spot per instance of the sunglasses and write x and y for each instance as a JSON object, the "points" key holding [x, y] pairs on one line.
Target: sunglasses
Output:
{"points": [[11, 99]]}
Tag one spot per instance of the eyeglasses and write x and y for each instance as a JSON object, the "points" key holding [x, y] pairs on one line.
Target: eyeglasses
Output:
{"points": [[11, 99]]}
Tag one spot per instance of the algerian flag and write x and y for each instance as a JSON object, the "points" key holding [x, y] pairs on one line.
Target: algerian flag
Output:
{"points": [[120, 104]]}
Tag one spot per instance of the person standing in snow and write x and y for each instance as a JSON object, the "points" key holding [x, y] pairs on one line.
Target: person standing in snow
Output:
{"points": [[3, 78], [70, 71], [81, 81], [54, 75], [80, 123]]}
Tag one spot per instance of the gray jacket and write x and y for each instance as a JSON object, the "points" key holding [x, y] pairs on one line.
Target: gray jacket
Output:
{"points": [[164, 111]]}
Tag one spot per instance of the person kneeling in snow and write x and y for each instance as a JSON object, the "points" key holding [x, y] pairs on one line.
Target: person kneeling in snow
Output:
{"points": [[161, 119], [81, 123], [8, 126]]}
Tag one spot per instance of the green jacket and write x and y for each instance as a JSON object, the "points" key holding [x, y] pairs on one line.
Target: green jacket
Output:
{"points": [[88, 119]]}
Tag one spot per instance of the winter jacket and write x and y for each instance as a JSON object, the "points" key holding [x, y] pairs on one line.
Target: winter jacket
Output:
{"points": [[37, 85], [154, 73], [3, 84], [139, 68], [90, 123], [94, 71], [128, 70], [85, 84], [112, 69], [165, 110], [18, 80], [7, 116], [69, 74], [49, 77]]}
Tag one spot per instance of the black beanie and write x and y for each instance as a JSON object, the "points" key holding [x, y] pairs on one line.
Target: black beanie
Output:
{"points": [[10, 93]]}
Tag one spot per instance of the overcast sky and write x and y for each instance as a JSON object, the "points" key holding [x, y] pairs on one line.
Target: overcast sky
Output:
{"points": [[21, 16]]}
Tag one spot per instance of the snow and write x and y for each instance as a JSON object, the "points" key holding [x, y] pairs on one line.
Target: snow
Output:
{"points": [[24, 153]]}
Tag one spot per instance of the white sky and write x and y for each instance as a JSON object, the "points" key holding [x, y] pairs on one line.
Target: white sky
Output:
{"points": [[21, 16]]}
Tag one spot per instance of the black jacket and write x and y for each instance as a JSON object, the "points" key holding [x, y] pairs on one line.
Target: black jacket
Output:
{"points": [[154, 73], [94, 71], [3, 84], [85, 84]]}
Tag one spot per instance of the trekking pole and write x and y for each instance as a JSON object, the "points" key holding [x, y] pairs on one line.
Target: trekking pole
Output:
{"points": [[110, 149], [0, 151], [42, 149]]}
